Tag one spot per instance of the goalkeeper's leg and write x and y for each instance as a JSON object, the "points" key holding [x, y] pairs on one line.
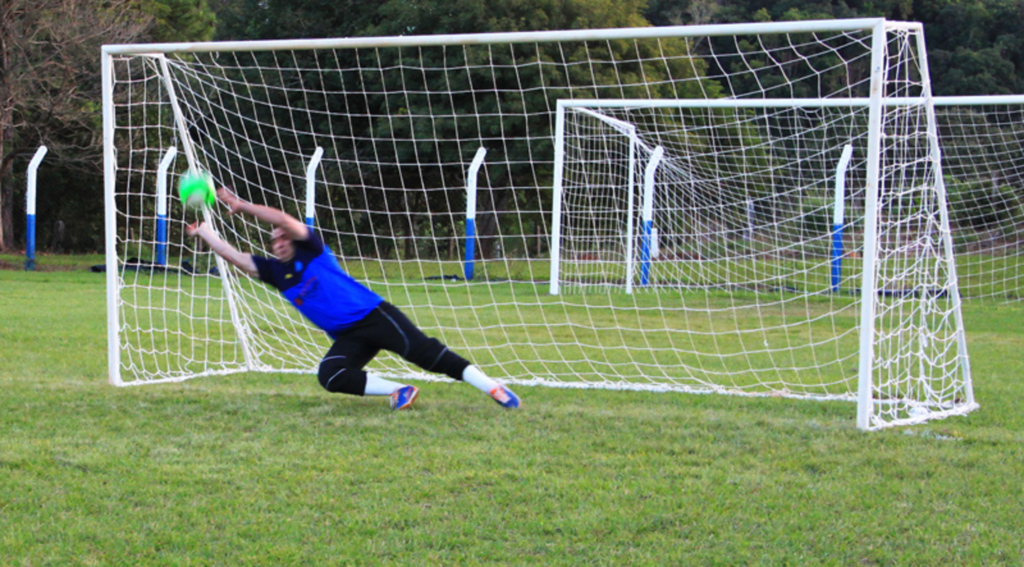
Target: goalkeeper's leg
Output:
{"points": [[388, 328], [341, 371], [407, 340]]}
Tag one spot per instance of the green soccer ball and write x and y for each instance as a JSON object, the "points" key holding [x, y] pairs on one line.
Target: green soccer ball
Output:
{"points": [[196, 190]]}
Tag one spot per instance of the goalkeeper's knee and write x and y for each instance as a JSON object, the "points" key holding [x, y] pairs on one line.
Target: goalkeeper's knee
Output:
{"points": [[341, 379]]}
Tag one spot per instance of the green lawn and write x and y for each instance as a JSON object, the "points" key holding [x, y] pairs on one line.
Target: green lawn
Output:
{"points": [[253, 469]]}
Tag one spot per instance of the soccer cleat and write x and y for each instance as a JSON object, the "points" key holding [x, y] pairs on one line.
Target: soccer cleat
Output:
{"points": [[404, 397], [505, 397]]}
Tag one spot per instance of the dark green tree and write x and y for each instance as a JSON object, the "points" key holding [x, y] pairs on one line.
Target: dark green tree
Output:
{"points": [[50, 92]]}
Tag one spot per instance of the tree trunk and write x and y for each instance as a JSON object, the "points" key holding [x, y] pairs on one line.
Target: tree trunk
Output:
{"points": [[6, 199], [6, 216]]}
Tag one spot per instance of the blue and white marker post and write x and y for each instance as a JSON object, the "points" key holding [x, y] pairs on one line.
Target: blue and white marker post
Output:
{"points": [[314, 162], [837, 218], [647, 244], [471, 185], [161, 205], [30, 210]]}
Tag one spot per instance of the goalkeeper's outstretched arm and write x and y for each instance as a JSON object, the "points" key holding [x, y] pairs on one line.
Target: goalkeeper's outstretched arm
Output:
{"points": [[293, 228], [238, 259]]}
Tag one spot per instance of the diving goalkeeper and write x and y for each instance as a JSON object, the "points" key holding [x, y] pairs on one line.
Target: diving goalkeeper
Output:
{"points": [[360, 321]]}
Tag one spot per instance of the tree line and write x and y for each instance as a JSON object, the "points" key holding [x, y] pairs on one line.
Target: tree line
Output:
{"points": [[50, 58]]}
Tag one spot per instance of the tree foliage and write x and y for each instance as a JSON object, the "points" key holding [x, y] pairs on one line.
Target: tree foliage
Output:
{"points": [[50, 94], [49, 65], [974, 46]]}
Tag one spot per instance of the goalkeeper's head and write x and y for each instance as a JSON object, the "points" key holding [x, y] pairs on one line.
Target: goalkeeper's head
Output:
{"points": [[282, 246]]}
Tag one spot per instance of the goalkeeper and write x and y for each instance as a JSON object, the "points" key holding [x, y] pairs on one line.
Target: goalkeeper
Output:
{"points": [[360, 321]]}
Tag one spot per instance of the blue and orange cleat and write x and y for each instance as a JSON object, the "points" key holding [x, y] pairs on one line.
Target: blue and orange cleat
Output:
{"points": [[505, 397], [404, 397]]}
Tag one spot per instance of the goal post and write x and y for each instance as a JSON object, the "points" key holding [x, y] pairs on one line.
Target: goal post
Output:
{"points": [[737, 300]]}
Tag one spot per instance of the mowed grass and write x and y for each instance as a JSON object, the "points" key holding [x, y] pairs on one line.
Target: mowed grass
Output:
{"points": [[254, 469]]}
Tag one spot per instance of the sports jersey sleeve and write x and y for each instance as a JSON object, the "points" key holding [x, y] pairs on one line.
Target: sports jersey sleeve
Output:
{"points": [[265, 270], [312, 245]]}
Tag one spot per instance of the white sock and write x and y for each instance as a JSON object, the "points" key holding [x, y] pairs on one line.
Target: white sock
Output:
{"points": [[475, 377], [377, 386]]}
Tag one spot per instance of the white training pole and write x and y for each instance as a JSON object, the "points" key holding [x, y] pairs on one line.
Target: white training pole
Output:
{"points": [[647, 216], [471, 187], [838, 214], [30, 210], [161, 205], [314, 162]]}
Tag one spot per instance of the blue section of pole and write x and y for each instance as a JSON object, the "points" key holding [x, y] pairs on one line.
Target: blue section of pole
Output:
{"points": [[309, 223], [837, 256], [30, 243], [645, 254], [161, 240], [470, 248]]}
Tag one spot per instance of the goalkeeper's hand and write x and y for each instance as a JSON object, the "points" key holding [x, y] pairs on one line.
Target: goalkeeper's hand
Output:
{"points": [[197, 228], [233, 202]]}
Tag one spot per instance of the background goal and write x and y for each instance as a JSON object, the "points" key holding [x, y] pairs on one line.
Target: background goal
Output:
{"points": [[448, 175], [981, 139]]}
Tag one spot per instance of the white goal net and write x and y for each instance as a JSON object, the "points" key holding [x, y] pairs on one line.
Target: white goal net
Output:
{"points": [[448, 175], [981, 139]]}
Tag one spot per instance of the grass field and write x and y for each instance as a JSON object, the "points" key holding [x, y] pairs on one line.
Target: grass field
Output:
{"points": [[256, 469]]}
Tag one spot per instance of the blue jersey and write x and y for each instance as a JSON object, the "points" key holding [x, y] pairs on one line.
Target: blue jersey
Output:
{"points": [[317, 286]]}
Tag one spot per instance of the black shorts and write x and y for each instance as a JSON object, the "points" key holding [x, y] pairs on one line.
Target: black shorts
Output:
{"points": [[341, 369]]}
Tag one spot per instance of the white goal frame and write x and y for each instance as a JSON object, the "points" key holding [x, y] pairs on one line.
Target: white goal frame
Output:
{"points": [[871, 34]]}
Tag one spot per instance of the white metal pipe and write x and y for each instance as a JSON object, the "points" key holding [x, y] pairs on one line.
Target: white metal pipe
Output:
{"points": [[506, 37], [472, 183], [161, 180], [30, 209], [630, 208], [865, 407], [314, 162], [839, 212], [33, 168], [620, 125], [110, 223], [556, 199], [469, 264], [853, 102], [649, 172], [179, 117], [977, 100]]}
